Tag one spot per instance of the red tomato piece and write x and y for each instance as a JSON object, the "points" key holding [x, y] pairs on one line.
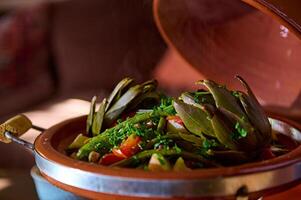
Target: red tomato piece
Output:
{"points": [[176, 119], [118, 153], [109, 158], [131, 145]]}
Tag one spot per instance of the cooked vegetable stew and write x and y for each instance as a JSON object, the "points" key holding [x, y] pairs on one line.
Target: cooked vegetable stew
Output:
{"points": [[139, 127]]}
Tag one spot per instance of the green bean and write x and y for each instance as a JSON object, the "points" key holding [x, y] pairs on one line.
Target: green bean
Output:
{"points": [[78, 142], [164, 152], [100, 143], [161, 124], [151, 143]]}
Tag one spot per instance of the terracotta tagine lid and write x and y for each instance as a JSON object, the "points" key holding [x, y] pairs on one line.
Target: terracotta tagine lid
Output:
{"points": [[257, 39]]}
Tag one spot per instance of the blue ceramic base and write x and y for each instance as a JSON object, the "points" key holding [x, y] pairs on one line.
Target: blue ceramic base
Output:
{"points": [[47, 191]]}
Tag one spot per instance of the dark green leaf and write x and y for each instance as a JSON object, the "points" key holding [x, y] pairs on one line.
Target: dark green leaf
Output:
{"points": [[91, 115], [225, 125], [148, 95], [188, 98], [143, 98], [121, 104], [195, 140], [118, 90], [98, 118], [149, 86], [255, 112], [223, 98], [195, 119], [203, 97], [223, 131]]}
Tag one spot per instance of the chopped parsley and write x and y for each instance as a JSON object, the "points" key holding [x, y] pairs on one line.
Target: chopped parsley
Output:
{"points": [[178, 149], [161, 159], [236, 94], [162, 142], [202, 97], [141, 129], [242, 132], [209, 143]]}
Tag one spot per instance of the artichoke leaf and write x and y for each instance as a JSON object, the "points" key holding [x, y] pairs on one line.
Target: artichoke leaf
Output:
{"points": [[98, 118], [149, 97], [223, 97], [255, 112], [121, 104], [198, 98], [117, 92], [91, 115], [232, 131], [188, 98], [195, 140], [223, 131], [149, 86], [194, 119], [148, 93]]}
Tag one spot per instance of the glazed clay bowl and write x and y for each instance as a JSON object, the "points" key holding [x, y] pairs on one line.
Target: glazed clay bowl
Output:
{"points": [[99, 182], [220, 39]]}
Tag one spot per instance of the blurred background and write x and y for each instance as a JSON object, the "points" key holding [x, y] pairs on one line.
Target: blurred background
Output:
{"points": [[55, 55]]}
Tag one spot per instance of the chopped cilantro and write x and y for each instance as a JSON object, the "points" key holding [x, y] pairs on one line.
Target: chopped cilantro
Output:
{"points": [[162, 142], [196, 98], [208, 144], [236, 93], [242, 132], [165, 103], [202, 97], [178, 149], [127, 128], [161, 159]]}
